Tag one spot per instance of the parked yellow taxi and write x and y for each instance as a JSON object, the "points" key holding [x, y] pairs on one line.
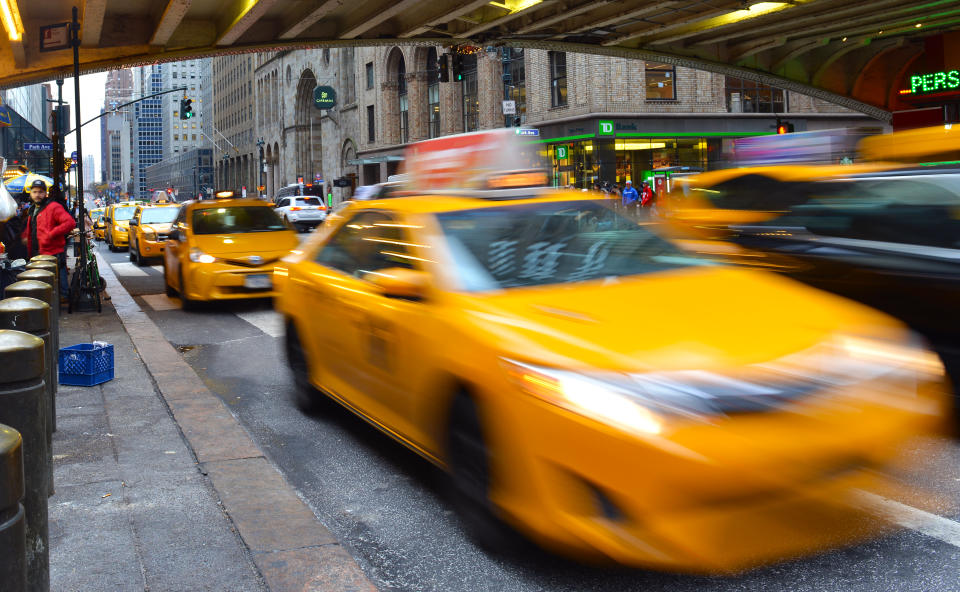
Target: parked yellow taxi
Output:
{"points": [[117, 219], [148, 231], [595, 387], [96, 215], [225, 249]]}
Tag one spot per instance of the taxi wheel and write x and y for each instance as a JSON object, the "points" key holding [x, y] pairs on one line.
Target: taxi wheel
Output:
{"points": [[185, 303], [133, 259], [468, 461], [305, 396], [166, 282]]}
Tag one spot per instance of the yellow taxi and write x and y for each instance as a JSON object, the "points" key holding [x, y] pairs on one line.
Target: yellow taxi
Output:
{"points": [[224, 249], [96, 215], [589, 384], [148, 231], [117, 220]]}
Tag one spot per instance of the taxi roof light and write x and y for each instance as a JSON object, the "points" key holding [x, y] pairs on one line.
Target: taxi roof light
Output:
{"points": [[227, 194]]}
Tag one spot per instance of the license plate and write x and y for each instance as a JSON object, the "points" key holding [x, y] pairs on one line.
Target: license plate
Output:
{"points": [[257, 282]]}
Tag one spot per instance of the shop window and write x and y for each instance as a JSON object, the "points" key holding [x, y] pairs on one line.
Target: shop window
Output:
{"points": [[515, 84], [558, 78], [660, 82], [404, 104], [747, 96], [471, 100]]}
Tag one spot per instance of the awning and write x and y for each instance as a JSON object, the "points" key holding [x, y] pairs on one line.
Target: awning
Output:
{"points": [[376, 159]]}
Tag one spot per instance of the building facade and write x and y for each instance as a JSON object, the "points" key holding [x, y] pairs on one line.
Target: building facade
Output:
{"points": [[598, 118], [26, 106], [234, 136], [147, 132], [189, 174], [180, 135], [116, 128]]}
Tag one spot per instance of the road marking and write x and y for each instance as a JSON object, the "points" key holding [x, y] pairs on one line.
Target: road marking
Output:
{"points": [[161, 302], [268, 321], [128, 269], [931, 525]]}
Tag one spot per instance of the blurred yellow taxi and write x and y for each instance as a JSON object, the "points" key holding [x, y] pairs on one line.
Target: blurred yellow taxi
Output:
{"points": [[224, 249], [148, 231], [588, 383], [96, 215], [117, 219]]}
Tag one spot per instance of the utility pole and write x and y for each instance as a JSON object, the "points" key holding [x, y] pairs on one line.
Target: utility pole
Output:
{"points": [[260, 177], [81, 212]]}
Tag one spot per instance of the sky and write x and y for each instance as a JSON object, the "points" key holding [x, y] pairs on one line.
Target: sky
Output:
{"points": [[91, 101]]}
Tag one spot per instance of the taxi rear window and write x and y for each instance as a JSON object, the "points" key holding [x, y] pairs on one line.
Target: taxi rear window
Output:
{"points": [[538, 244], [236, 219]]}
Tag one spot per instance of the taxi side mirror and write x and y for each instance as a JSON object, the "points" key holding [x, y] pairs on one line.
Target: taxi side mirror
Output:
{"points": [[174, 234], [106, 219], [134, 223], [400, 282]]}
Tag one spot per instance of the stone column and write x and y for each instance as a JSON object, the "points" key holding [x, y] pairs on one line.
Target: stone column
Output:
{"points": [[388, 109], [490, 90], [451, 108], [417, 96]]}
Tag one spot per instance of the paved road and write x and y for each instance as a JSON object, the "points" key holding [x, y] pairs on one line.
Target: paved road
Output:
{"points": [[386, 504]]}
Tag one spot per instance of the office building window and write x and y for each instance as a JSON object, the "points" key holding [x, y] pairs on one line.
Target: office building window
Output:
{"points": [[660, 82], [558, 78], [369, 75], [747, 96], [371, 125]]}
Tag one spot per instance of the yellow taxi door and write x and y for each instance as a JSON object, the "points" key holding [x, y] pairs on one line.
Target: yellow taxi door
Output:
{"points": [[175, 248]]}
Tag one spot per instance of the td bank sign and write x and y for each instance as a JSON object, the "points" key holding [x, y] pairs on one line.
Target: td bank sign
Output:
{"points": [[606, 128]]}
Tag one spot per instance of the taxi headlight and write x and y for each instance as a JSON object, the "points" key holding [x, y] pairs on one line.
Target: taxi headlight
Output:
{"points": [[149, 235], [198, 256], [118, 228]]}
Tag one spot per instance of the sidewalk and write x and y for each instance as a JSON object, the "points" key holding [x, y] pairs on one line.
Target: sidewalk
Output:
{"points": [[159, 487]]}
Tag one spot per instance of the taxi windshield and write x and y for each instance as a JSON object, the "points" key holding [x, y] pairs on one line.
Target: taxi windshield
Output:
{"points": [[236, 219], [96, 215], [158, 215], [124, 213], [538, 244]]}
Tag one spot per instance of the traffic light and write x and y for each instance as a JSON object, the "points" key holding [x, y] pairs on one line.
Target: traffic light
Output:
{"points": [[456, 66], [186, 111], [784, 127], [443, 68]]}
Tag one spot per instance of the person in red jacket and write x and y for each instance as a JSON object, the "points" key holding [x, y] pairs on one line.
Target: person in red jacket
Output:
{"points": [[646, 195], [48, 225]]}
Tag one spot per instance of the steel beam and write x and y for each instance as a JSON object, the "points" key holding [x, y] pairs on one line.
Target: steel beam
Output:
{"points": [[171, 18]]}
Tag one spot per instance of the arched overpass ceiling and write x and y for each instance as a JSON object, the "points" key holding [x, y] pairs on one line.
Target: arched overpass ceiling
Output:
{"points": [[819, 47]]}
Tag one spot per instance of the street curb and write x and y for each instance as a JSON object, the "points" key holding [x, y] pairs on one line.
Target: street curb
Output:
{"points": [[291, 548]]}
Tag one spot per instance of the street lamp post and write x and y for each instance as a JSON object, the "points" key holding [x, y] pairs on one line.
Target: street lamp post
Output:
{"points": [[260, 143]]}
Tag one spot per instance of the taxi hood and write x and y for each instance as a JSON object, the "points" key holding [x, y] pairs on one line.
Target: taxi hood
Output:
{"points": [[159, 227], [703, 317], [246, 242]]}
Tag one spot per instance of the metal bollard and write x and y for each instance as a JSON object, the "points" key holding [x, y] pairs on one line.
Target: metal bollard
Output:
{"points": [[51, 266], [44, 258], [13, 543], [21, 399], [33, 316], [42, 291]]}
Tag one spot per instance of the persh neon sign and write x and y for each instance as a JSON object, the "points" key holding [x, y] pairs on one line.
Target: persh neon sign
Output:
{"points": [[934, 82]]}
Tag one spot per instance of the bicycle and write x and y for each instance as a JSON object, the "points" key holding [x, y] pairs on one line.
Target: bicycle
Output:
{"points": [[86, 280]]}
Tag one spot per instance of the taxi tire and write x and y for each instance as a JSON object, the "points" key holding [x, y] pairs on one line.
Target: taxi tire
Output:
{"points": [[305, 397], [185, 303], [167, 288], [468, 461]]}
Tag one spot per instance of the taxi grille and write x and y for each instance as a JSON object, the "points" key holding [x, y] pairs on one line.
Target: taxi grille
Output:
{"points": [[245, 262]]}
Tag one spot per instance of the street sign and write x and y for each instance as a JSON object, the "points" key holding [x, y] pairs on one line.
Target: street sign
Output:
{"points": [[527, 132], [38, 145], [324, 97], [55, 37], [73, 156], [561, 152], [509, 107], [4, 115], [342, 182]]}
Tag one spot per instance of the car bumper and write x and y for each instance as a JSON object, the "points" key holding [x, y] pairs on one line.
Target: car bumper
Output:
{"points": [[120, 239], [151, 248], [218, 281], [707, 498]]}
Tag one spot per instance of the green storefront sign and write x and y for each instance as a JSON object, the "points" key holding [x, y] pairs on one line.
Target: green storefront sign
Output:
{"points": [[562, 152], [935, 82], [606, 128], [324, 97]]}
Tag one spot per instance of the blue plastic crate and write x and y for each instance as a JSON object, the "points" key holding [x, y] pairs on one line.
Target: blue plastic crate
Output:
{"points": [[86, 364]]}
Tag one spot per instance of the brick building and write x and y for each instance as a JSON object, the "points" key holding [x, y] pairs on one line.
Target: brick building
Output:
{"points": [[605, 118]]}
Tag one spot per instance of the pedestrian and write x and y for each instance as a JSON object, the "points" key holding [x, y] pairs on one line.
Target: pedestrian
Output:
{"points": [[630, 196], [47, 227], [647, 197]]}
